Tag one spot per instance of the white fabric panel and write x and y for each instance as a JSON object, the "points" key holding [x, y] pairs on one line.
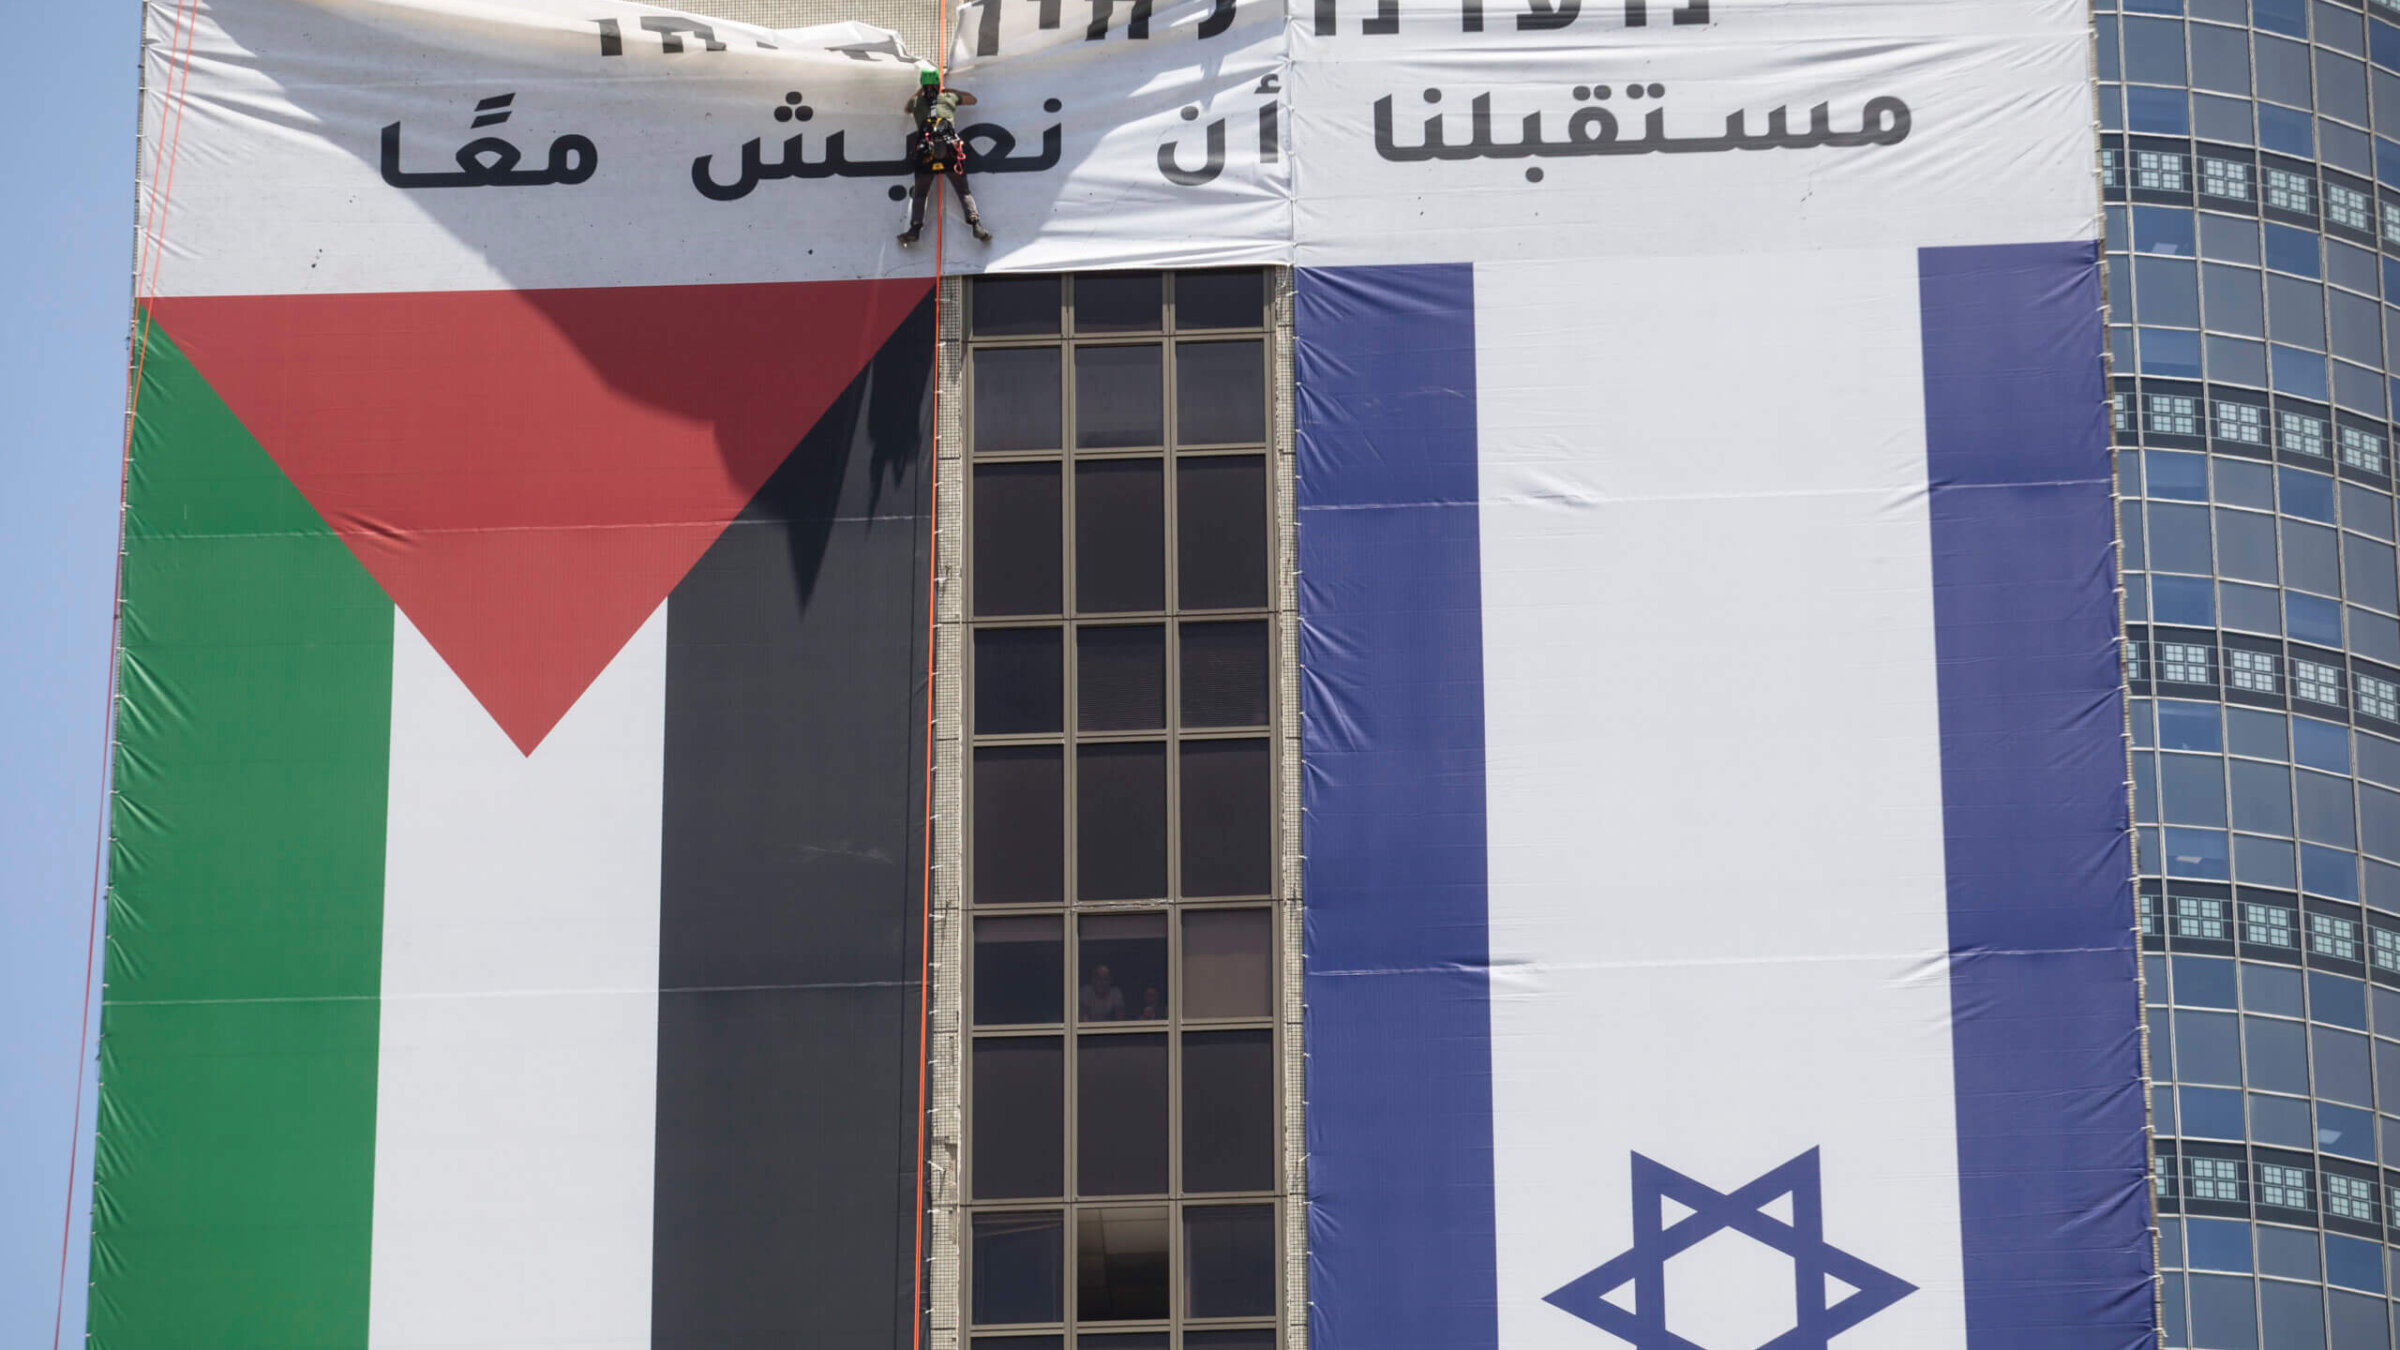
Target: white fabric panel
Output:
{"points": [[1718, 912], [1997, 95], [516, 1103], [277, 185]]}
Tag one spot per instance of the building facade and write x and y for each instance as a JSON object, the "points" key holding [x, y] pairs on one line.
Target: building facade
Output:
{"points": [[1765, 851], [2250, 263]]}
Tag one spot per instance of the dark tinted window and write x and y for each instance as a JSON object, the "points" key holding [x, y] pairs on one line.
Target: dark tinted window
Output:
{"points": [[1228, 1111], [1220, 392], [1016, 399], [1120, 536], [1219, 300], [1225, 818], [1119, 397], [1020, 824], [1020, 970], [1121, 1264], [1017, 680], [1225, 674], [1020, 1142], [1229, 1260], [1221, 531], [1121, 678], [1121, 821], [1121, 1115], [1017, 539], [1016, 306], [1018, 1268], [1121, 962], [1226, 963], [1117, 302]]}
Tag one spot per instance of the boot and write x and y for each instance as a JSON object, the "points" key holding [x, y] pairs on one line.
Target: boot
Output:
{"points": [[907, 238], [981, 234]]}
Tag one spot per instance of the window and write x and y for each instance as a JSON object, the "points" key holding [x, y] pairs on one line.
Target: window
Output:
{"points": [[2120, 412], [2288, 191], [2391, 221], [2253, 671], [2175, 414], [2241, 423], [2183, 663], [2158, 170], [2213, 1179], [2334, 937], [2378, 697], [2146, 907], [2282, 1186], [2162, 1176], [2225, 178], [2200, 917], [2349, 1198], [2347, 207], [1123, 1128], [2317, 682], [2112, 169], [2362, 449], [2268, 925], [2385, 952], [2300, 434], [2133, 661]]}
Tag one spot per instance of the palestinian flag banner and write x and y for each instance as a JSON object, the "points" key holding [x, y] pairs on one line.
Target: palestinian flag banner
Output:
{"points": [[518, 843]]}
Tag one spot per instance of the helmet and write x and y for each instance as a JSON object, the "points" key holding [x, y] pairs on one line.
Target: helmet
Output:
{"points": [[927, 76]]}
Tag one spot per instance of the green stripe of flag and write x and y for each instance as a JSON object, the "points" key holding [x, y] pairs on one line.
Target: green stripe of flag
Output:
{"points": [[235, 1161]]}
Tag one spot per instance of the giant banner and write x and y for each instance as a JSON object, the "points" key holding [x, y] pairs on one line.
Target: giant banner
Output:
{"points": [[1719, 914], [1717, 875]]}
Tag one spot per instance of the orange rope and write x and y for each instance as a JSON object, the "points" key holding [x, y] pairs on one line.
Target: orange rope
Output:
{"points": [[149, 245]]}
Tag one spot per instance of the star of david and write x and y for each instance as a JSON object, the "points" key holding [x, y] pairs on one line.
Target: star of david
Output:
{"points": [[1743, 1210]]}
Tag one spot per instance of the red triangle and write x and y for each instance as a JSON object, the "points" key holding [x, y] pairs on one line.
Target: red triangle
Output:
{"points": [[529, 473]]}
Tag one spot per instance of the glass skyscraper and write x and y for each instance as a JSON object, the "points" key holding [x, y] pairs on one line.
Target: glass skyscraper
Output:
{"points": [[2250, 157]]}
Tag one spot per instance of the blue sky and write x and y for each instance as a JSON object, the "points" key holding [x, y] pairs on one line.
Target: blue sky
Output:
{"points": [[66, 238]]}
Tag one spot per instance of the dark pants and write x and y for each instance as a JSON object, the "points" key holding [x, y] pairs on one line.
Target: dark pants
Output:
{"points": [[924, 182]]}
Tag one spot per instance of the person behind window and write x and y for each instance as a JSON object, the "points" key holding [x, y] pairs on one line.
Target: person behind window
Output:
{"points": [[938, 151], [1101, 999], [1154, 1008]]}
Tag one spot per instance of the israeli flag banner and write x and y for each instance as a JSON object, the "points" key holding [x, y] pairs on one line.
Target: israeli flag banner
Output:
{"points": [[1720, 921]]}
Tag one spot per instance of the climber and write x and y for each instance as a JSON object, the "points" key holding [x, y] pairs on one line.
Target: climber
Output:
{"points": [[937, 150]]}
